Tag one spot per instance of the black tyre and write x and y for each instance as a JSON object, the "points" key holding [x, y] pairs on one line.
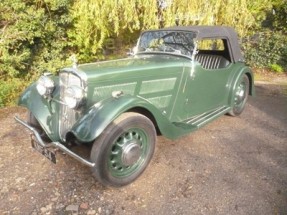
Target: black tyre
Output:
{"points": [[123, 151], [240, 96]]}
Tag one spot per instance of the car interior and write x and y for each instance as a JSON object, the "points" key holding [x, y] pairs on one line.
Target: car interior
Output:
{"points": [[213, 53]]}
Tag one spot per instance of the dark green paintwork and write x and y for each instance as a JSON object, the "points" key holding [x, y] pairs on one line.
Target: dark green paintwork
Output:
{"points": [[46, 111], [171, 88]]}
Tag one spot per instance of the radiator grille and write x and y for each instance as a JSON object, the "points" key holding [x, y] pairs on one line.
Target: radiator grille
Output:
{"points": [[67, 116]]}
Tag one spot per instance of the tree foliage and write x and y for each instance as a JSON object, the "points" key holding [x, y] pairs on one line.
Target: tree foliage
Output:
{"points": [[278, 17], [267, 46], [97, 21], [33, 36], [33, 39], [39, 35]]}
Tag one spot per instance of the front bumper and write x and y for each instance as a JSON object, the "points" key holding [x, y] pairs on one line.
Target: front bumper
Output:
{"points": [[55, 145]]}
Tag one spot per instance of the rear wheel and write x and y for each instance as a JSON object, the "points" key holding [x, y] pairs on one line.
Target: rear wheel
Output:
{"points": [[123, 151], [240, 96]]}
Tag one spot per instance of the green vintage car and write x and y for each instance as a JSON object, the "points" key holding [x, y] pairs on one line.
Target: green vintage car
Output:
{"points": [[177, 80]]}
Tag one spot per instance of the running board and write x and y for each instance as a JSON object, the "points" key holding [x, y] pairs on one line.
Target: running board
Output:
{"points": [[204, 118]]}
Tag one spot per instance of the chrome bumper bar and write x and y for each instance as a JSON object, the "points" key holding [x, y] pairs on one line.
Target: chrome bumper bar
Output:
{"points": [[54, 144]]}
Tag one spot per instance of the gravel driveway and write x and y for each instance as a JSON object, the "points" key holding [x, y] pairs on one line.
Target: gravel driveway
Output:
{"points": [[231, 166]]}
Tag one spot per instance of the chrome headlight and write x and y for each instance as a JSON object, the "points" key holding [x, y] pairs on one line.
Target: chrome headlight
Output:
{"points": [[73, 96], [45, 86]]}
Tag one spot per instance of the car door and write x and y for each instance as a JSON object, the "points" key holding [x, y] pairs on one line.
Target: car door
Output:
{"points": [[206, 89], [207, 85]]}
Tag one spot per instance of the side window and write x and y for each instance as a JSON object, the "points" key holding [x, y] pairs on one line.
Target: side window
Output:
{"points": [[213, 53], [211, 45]]}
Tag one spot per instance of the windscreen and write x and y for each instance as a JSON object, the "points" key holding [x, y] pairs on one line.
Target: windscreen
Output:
{"points": [[174, 42]]}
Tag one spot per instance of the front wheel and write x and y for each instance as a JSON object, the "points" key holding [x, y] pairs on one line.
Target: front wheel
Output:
{"points": [[123, 151], [240, 96]]}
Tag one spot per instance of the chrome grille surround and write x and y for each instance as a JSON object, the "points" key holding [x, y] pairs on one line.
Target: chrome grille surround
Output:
{"points": [[68, 116]]}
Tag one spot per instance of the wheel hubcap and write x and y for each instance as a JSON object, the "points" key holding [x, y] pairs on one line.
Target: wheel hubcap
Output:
{"points": [[131, 153], [240, 94]]}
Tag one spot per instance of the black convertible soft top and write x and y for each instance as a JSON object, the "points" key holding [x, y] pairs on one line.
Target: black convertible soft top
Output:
{"points": [[215, 32]]}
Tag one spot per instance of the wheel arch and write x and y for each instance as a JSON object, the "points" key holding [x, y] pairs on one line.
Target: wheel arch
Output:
{"points": [[148, 114], [42, 109], [251, 83], [243, 71], [99, 116]]}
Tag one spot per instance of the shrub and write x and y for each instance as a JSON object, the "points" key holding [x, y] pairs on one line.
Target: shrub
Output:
{"points": [[276, 68], [33, 39], [9, 91], [266, 48]]}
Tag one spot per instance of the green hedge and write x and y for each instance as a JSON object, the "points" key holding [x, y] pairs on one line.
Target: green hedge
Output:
{"points": [[267, 49]]}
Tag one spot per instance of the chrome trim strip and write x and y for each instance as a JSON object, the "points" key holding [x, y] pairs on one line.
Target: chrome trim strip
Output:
{"points": [[219, 112], [201, 119], [54, 144]]}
